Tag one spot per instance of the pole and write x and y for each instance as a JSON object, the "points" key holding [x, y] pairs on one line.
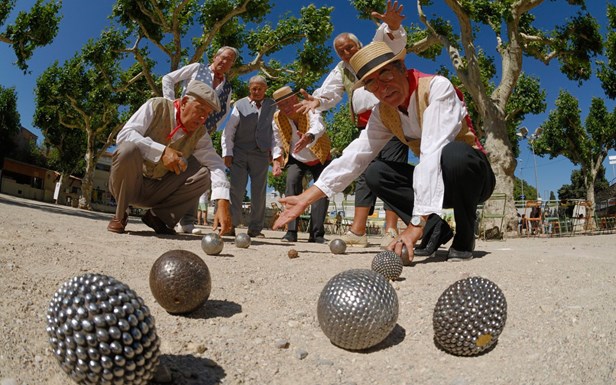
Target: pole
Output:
{"points": [[532, 146]]}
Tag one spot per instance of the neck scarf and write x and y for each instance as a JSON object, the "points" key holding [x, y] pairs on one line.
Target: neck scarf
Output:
{"points": [[178, 120]]}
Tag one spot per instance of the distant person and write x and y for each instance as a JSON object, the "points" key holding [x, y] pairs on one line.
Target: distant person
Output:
{"points": [[247, 142], [202, 209], [302, 146], [165, 160], [340, 81], [215, 76]]}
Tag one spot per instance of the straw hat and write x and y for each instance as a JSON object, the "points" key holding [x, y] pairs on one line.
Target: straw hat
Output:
{"points": [[371, 58], [283, 93], [202, 91]]}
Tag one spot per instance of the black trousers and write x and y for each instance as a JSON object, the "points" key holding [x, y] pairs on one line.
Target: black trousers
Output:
{"points": [[318, 210], [394, 151], [468, 178]]}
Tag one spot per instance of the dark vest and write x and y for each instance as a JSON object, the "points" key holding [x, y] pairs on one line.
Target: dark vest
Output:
{"points": [[254, 132]]}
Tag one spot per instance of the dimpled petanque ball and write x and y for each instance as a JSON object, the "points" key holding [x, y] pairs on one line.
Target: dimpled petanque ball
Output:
{"points": [[469, 316], [212, 244], [357, 309], [404, 256], [242, 240], [388, 264], [180, 281], [101, 332], [337, 246]]}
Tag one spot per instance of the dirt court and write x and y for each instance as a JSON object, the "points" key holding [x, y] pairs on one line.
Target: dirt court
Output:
{"points": [[561, 297]]}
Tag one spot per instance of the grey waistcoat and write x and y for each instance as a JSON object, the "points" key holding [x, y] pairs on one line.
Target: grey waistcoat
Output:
{"points": [[254, 132]]}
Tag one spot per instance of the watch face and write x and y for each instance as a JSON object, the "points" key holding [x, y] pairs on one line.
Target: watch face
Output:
{"points": [[415, 221]]}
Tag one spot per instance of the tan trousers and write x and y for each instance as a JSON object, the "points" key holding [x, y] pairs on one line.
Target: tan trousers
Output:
{"points": [[169, 198]]}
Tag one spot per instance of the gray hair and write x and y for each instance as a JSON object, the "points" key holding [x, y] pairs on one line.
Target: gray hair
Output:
{"points": [[236, 53], [350, 36], [257, 79]]}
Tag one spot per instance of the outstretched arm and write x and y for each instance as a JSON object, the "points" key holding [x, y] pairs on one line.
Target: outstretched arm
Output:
{"points": [[295, 205], [309, 103]]}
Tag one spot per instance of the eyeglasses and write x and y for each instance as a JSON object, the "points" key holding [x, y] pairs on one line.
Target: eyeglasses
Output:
{"points": [[385, 76]]}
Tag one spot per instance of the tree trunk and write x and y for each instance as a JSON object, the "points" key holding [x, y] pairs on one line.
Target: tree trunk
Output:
{"points": [[64, 177], [86, 182], [503, 164]]}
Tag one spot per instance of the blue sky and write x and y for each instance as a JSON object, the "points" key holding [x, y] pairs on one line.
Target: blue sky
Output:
{"points": [[86, 19]]}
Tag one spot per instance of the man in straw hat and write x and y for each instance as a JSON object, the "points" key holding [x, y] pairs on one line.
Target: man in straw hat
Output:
{"points": [[340, 81], [165, 160], [427, 114], [302, 145]]}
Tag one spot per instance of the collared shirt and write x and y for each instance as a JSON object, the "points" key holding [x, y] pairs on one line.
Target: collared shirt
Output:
{"points": [[227, 140], [316, 127], [332, 90], [135, 129], [197, 71], [442, 120]]}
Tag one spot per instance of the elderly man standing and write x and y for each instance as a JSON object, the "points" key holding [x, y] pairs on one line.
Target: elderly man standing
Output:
{"points": [[427, 114], [214, 75], [165, 160], [302, 145], [340, 81], [247, 142]]}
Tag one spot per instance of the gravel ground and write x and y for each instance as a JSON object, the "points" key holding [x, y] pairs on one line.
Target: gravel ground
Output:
{"points": [[259, 325]]}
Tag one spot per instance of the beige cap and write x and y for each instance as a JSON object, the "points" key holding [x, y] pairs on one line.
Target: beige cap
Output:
{"points": [[202, 91]]}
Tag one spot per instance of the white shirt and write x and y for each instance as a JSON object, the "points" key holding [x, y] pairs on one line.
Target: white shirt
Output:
{"points": [[332, 90], [197, 71], [316, 127], [442, 121], [227, 140], [134, 131]]}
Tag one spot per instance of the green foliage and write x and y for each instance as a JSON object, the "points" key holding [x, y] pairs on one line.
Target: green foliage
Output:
{"points": [[577, 189], [30, 30], [607, 70], [9, 120], [279, 183]]}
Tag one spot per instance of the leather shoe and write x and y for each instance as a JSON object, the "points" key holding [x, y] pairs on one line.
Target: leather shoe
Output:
{"points": [[457, 256], [316, 240], [436, 233], [156, 223], [256, 235], [117, 226], [290, 236]]}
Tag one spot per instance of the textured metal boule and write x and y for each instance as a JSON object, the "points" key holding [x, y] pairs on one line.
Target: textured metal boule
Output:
{"points": [[469, 316], [388, 264], [180, 281], [337, 246], [242, 240], [101, 332], [212, 244], [357, 309]]}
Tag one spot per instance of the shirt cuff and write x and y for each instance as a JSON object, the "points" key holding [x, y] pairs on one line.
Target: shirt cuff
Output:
{"points": [[220, 193]]}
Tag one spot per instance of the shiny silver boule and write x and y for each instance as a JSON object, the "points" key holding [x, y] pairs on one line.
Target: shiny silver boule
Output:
{"points": [[469, 316], [337, 246], [180, 281], [101, 332], [212, 244], [242, 240], [357, 309], [388, 264]]}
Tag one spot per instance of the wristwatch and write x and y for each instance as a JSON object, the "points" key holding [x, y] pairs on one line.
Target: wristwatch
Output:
{"points": [[418, 221], [311, 136]]}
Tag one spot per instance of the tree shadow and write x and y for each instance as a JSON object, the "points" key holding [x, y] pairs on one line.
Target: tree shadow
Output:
{"points": [[214, 308], [191, 370], [57, 209], [441, 256]]}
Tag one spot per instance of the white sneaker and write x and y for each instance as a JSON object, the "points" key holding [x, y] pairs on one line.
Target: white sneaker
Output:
{"points": [[388, 237], [187, 229], [354, 240]]}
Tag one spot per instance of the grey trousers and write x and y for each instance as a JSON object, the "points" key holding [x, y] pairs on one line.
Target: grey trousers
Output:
{"points": [[253, 164], [170, 197]]}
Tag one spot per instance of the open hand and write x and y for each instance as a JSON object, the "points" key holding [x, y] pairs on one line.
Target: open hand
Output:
{"points": [[393, 15]]}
